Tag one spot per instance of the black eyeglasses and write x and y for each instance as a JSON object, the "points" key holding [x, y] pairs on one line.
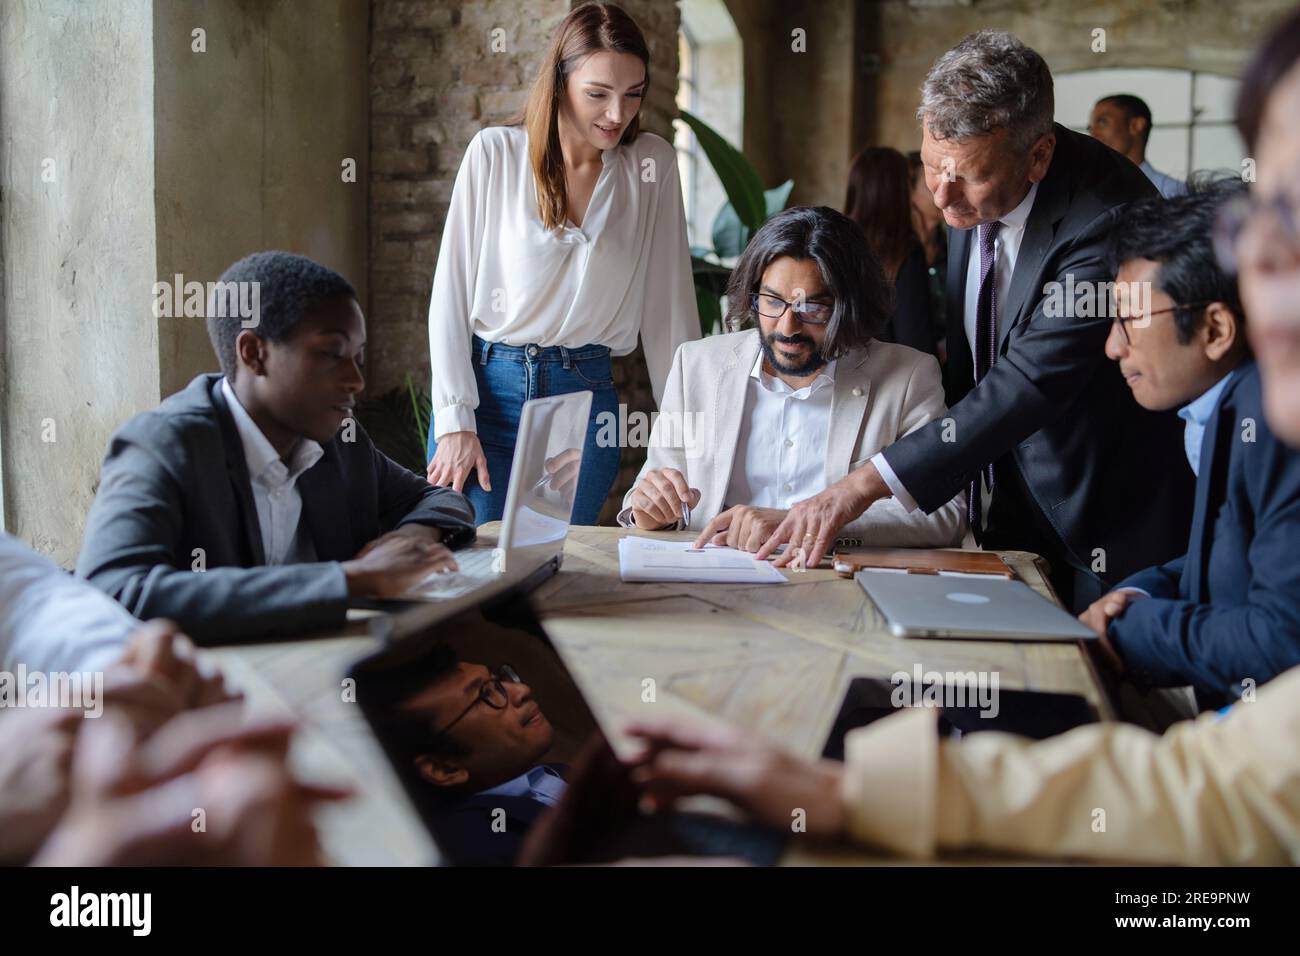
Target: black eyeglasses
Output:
{"points": [[1124, 320], [773, 307], [492, 693], [1239, 212]]}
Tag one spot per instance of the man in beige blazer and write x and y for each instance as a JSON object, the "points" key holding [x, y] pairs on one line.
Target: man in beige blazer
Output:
{"points": [[752, 421]]}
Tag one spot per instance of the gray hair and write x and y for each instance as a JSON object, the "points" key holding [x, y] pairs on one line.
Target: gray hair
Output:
{"points": [[988, 81]]}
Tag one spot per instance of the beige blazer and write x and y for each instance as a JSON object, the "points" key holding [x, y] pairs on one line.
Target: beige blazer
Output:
{"points": [[881, 393], [1222, 791]]}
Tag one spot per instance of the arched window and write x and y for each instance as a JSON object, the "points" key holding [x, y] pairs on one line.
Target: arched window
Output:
{"points": [[710, 84], [1191, 114]]}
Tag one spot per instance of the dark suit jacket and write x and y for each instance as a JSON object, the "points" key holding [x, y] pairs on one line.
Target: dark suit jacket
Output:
{"points": [[175, 480], [1229, 609], [464, 833], [1103, 472]]}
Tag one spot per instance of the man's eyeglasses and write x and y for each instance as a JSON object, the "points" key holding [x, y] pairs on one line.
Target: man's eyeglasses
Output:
{"points": [[1240, 211], [1124, 320], [492, 693], [773, 307]]}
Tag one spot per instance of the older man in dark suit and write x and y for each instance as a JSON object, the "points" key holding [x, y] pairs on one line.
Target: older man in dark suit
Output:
{"points": [[1055, 455]]}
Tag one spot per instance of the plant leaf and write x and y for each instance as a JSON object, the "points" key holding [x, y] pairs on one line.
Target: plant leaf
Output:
{"points": [[739, 178]]}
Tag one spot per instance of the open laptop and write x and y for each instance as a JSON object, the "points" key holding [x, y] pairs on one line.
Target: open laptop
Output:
{"points": [[535, 746], [968, 606], [539, 504]]}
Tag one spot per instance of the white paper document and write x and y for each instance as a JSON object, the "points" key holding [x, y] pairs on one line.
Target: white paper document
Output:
{"points": [[649, 559]]}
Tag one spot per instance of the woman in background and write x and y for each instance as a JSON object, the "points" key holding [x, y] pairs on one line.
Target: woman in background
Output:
{"points": [[927, 223], [564, 241], [879, 201]]}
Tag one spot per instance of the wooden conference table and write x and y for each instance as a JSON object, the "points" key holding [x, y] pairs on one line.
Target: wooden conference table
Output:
{"points": [[774, 658]]}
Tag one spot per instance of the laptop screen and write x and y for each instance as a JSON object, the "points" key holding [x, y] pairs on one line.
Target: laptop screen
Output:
{"points": [[488, 732], [481, 722], [544, 478]]}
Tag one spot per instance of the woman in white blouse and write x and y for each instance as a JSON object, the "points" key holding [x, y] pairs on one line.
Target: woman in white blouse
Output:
{"points": [[565, 238]]}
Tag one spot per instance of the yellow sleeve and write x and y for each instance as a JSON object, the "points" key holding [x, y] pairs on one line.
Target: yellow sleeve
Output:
{"points": [[1218, 790]]}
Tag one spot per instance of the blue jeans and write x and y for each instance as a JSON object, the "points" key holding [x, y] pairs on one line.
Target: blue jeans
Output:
{"points": [[509, 375]]}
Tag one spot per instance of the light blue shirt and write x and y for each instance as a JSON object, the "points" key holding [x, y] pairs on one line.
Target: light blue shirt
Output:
{"points": [[1196, 414], [542, 784], [1168, 186]]}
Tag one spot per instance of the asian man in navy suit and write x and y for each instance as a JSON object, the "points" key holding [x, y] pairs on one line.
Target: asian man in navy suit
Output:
{"points": [[1225, 616], [477, 740]]}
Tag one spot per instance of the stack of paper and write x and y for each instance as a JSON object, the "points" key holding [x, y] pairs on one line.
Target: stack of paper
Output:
{"points": [[650, 559]]}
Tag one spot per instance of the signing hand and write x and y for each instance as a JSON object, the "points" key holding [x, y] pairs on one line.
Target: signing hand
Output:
{"points": [[683, 757], [657, 499], [743, 527], [457, 454], [810, 526]]}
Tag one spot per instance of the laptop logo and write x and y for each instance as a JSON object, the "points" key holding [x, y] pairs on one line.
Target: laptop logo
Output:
{"points": [[965, 597]]}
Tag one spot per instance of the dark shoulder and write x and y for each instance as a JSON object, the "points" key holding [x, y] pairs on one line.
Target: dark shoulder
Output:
{"points": [[1245, 394], [1097, 177], [180, 420]]}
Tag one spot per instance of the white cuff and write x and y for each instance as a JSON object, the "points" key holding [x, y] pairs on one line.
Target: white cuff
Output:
{"points": [[452, 418], [907, 502], [625, 519]]}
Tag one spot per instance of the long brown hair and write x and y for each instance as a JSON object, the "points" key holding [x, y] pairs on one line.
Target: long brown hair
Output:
{"points": [[879, 200], [587, 29]]}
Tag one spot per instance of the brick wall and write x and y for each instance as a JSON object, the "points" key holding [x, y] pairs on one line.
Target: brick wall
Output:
{"points": [[434, 83]]}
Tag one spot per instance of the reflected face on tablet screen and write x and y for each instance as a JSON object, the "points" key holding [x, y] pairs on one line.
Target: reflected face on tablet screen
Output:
{"points": [[484, 728]]}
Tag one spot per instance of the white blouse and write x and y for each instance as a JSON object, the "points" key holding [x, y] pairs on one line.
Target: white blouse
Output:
{"points": [[503, 277]]}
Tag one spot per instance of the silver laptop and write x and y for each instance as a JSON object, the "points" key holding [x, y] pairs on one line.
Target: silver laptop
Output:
{"points": [[539, 504], [969, 606]]}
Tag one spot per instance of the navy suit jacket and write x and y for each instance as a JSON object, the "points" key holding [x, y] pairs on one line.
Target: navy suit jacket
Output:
{"points": [[175, 480], [464, 832], [1229, 609]]}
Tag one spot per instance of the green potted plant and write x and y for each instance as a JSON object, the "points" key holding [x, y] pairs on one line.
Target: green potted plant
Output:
{"points": [[748, 206]]}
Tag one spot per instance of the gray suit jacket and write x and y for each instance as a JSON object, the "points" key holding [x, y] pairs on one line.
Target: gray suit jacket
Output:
{"points": [[881, 393], [174, 495]]}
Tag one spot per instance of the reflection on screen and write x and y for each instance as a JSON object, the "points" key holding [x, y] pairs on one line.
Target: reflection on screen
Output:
{"points": [[541, 514], [481, 722]]}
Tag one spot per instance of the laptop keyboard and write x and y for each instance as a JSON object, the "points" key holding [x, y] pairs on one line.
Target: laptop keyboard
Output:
{"points": [[475, 571]]}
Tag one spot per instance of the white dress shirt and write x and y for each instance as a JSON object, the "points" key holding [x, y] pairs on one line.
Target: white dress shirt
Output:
{"points": [[275, 487], [51, 621], [1006, 248], [502, 276], [781, 449]]}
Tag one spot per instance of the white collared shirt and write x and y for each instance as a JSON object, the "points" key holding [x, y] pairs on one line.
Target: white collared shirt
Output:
{"points": [[781, 450], [503, 277], [275, 487], [1006, 249]]}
